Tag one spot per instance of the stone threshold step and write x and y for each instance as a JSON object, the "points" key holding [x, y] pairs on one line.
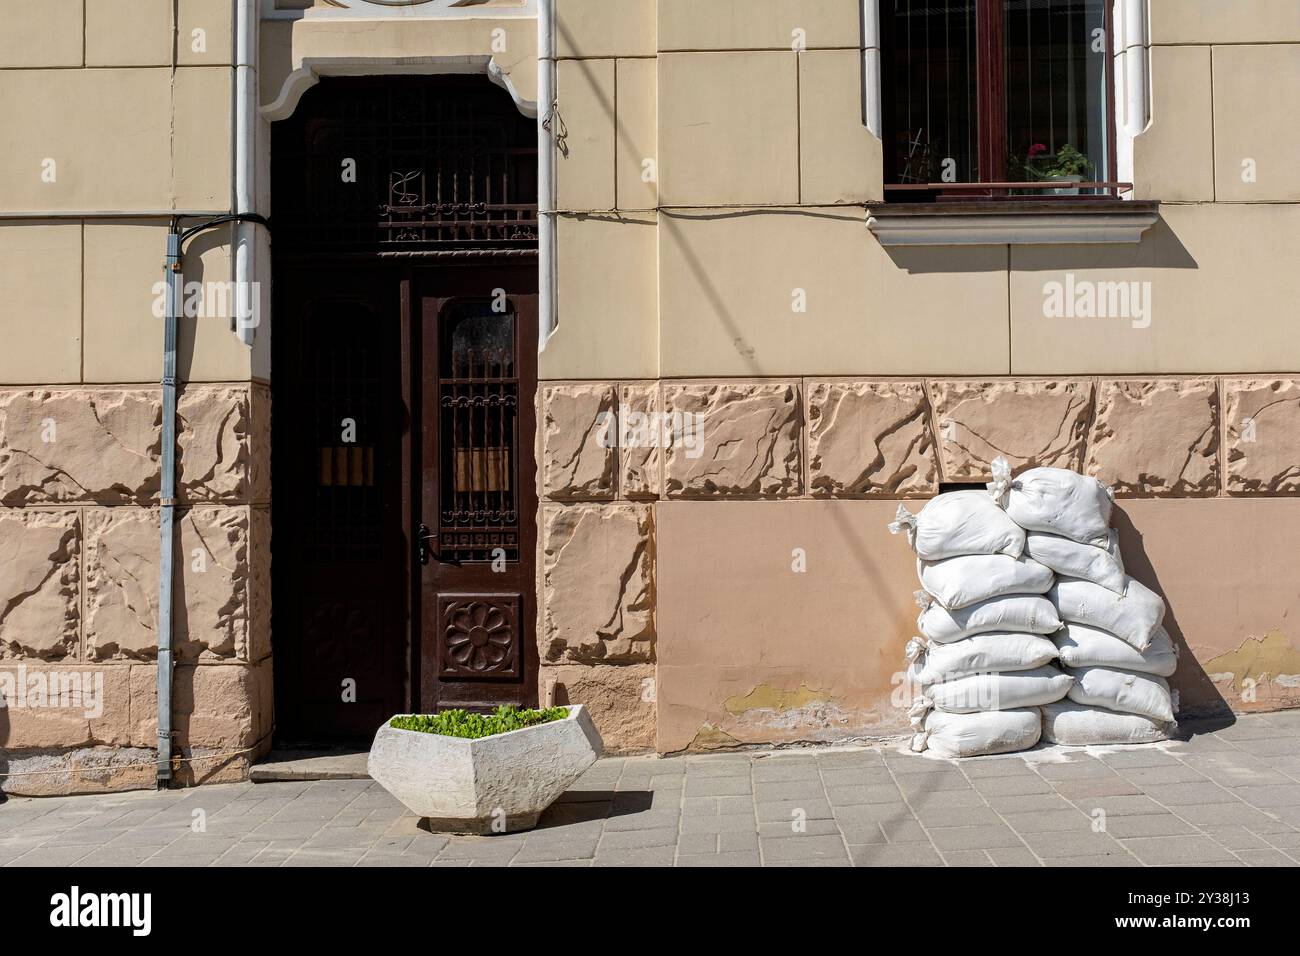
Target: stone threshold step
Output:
{"points": [[280, 765]]}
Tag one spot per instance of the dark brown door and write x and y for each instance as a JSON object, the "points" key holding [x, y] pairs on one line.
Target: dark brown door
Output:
{"points": [[340, 551], [477, 502], [402, 397]]}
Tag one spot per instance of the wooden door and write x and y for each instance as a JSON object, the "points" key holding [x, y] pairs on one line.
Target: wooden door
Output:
{"points": [[341, 576], [476, 531]]}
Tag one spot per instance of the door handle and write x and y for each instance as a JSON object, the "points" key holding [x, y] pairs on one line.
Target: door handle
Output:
{"points": [[422, 538], [424, 551]]}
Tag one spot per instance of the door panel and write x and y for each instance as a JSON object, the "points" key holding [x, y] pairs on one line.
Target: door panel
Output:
{"points": [[341, 560], [478, 499]]}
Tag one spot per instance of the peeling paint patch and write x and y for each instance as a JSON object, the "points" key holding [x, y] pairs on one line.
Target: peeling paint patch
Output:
{"points": [[1262, 674], [709, 737], [1259, 658], [767, 697], [812, 717]]}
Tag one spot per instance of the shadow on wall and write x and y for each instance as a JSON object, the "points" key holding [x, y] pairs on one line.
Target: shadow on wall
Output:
{"points": [[1199, 698], [1160, 248], [718, 302], [199, 766], [187, 326]]}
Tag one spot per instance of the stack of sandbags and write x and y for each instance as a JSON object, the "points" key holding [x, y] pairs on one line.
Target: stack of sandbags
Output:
{"points": [[981, 661], [1111, 643]]}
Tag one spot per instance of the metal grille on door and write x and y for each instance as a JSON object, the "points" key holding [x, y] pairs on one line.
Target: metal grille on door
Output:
{"points": [[479, 395]]}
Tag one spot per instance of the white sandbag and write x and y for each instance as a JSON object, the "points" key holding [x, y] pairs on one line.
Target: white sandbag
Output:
{"points": [[1075, 725], [962, 581], [971, 735], [1031, 613], [1083, 646], [1124, 691], [1133, 616], [1054, 500], [959, 522], [1005, 691], [1072, 559], [933, 663]]}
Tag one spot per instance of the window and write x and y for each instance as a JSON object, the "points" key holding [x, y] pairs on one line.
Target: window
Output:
{"points": [[997, 99]]}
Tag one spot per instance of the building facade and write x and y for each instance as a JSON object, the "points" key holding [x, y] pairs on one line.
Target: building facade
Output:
{"points": [[582, 350]]}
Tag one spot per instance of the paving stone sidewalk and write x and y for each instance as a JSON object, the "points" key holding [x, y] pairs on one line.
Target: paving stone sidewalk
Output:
{"points": [[1229, 797]]}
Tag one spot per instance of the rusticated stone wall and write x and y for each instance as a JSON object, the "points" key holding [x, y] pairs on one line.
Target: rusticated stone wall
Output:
{"points": [[79, 572], [605, 471]]}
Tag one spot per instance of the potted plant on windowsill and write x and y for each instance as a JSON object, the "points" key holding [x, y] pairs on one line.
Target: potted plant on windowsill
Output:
{"points": [[1067, 166], [483, 773]]}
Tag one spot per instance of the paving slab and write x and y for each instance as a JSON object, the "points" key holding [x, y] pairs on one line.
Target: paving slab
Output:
{"points": [[1228, 795]]}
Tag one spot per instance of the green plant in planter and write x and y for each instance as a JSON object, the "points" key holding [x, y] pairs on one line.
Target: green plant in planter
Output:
{"points": [[1067, 162], [461, 723]]}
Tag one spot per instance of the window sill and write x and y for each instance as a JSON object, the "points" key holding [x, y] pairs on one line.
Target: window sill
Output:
{"points": [[1011, 222]]}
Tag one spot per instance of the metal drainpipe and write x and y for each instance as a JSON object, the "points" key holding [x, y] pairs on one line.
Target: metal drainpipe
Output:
{"points": [[167, 494], [168, 506], [546, 217], [245, 252]]}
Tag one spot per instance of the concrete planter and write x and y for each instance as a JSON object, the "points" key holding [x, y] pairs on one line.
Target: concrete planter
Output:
{"points": [[495, 784]]}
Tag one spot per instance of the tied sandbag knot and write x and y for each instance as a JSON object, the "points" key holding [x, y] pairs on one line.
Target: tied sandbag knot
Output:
{"points": [[916, 648], [904, 521], [920, 707], [1000, 487]]}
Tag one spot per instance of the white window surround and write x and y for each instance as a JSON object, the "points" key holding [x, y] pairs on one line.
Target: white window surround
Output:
{"points": [[910, 224], [404, 9], [994, 222]]}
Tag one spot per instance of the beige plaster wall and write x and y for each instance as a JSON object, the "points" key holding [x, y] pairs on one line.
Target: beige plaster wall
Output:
{"points": [[713, 258], [795, 290], [111, 108], [758, 134], [751, 651], [746, 555]]}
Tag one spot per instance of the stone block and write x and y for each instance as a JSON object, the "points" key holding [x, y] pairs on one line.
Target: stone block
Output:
{"points": [[1032, 422], [1263, 435], [214, 458], [596, 28], [40, 584], [640, 459], [47, 707], [620, 699], [597, 583], [870, 439], [259, 444], [758, 24], [1157, 437], [211, 589], [729, 128], [104, 445], [579, 441], [216, 707], [733, 439], [79, 444], [81, 770]]}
